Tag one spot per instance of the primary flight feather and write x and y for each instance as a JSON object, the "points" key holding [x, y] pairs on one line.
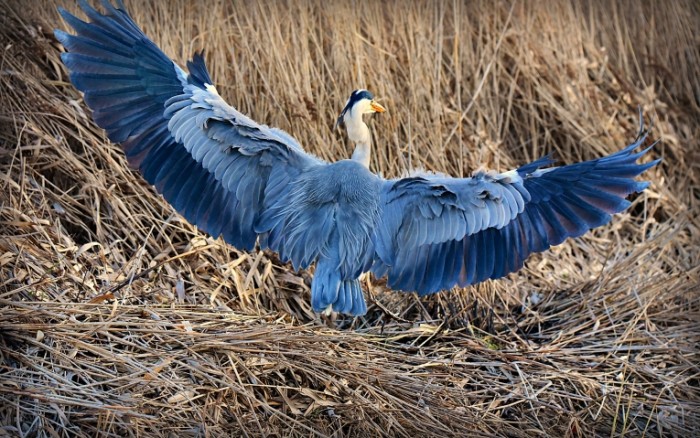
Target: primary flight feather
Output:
{"points": [[249, 183]]}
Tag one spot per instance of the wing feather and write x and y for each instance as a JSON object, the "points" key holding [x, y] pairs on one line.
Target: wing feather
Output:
{"points": [[437, 232], [212, 163]]}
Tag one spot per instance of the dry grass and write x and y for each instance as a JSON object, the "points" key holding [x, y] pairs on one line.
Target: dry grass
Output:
{"points": [[119, 317]]}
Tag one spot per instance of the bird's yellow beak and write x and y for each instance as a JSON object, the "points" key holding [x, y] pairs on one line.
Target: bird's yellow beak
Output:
{"points": [[376, 107]]}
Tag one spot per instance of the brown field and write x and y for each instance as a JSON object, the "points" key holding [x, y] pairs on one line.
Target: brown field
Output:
{"points": [[118, 317]]}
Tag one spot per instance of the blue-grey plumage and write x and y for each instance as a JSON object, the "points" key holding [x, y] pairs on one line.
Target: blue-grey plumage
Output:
{"points": [[250, 183]]}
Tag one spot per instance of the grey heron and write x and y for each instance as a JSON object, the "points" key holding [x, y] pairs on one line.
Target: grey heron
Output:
{"points": [[253, 184]]}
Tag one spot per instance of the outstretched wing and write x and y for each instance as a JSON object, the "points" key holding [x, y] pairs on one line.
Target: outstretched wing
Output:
{"points": [[437, 232], [218, 168]]}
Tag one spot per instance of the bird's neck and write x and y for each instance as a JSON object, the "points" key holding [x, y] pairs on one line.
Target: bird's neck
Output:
{"points": [[358, 132], [362, 153]]}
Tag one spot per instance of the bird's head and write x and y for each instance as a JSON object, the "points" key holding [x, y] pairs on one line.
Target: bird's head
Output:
{"points": [[360, 102]]}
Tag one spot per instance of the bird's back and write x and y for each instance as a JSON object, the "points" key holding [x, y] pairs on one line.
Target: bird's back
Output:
{"points": [[337, 207], [352, 181]]}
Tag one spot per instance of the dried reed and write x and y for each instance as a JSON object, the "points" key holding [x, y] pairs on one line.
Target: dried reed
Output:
{"points": [[119, 318]]}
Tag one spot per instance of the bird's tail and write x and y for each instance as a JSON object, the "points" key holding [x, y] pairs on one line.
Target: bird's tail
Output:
{"points": [[328, 289]]}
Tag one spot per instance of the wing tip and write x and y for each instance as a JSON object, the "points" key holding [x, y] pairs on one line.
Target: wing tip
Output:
{"points": [[199, 74], [61, 35], [527, 169]]}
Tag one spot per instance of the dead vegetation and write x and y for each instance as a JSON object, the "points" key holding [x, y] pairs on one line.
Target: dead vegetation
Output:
{"points": [[118, 317]]}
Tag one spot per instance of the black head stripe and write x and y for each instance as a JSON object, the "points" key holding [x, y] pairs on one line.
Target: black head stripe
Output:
{"points": [[355, 97]]}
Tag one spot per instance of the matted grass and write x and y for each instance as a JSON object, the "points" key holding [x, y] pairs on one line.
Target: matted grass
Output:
{"points": [[118, 318]]}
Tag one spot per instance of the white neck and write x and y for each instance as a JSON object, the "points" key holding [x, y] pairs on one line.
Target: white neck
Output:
{"points": [[358, 132], [362, 154]]}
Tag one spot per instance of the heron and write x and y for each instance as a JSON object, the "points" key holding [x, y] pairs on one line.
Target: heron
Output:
{"points": [[255, 185]]}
